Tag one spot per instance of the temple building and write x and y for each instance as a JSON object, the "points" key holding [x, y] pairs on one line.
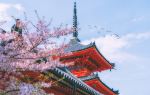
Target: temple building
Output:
{"points": [[80, 78]]}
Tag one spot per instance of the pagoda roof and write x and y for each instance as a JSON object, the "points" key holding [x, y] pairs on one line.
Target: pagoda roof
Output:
{"points": [[75, 45], [95, 76], [69, 76]]}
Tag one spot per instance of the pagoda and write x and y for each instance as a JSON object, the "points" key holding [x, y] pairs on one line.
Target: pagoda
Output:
{"points": [[81, 78]]}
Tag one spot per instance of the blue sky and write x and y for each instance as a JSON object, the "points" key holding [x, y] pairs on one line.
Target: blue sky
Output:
{"points": [[130, 19]]}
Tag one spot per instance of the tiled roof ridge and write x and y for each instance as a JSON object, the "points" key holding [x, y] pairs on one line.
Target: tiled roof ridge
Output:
{"points": [[76, 80]]}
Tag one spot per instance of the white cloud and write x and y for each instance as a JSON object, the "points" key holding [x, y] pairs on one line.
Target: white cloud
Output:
{"points": [[19, 7], [3, 11], [114, 48], [4, 8], [138, 36], [137, 19]]}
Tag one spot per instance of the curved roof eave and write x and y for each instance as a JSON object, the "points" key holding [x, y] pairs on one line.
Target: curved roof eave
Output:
{"points": [[112, 65], [83, 47], [95, 76]]}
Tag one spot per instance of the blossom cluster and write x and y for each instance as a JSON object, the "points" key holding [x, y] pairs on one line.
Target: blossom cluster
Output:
{"points": [[34, 50]]}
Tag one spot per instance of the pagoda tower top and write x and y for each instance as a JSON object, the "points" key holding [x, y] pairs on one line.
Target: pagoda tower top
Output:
{"points": [[75, 23]]}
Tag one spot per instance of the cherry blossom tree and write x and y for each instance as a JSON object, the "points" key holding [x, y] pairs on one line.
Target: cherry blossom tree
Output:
{"points": [[34, 50]]}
